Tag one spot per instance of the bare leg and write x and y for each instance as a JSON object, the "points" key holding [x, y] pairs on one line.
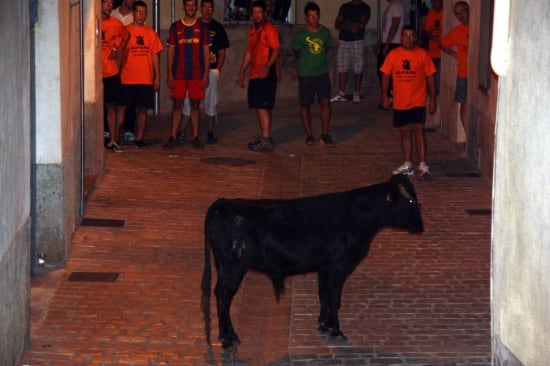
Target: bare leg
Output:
{"points": [[305, 117], [406, 143], [176, 117], [195, 116], [342, 81], [420, 140], [325, 115], [264, 119], [141, 121]]}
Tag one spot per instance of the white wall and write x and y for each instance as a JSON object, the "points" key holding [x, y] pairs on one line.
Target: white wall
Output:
{"points": [[521, 219], [14, 124]]}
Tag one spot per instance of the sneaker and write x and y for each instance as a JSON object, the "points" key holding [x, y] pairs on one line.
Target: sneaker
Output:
{"points": [[356, 97], [141, 144], [170, 144], [129, 136], [339, 98], [197, 144], [210, 138], [262, 144], [327, 140], [256, 141], [181, 137], [310, 140], [113, 146], [424, 169], [405, 169]]}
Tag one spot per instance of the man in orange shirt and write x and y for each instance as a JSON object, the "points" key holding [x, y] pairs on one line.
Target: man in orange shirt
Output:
{"points": [[411, 69], [455, 43], [262, 53], [140, 75], [113, 40], [432, 31]]}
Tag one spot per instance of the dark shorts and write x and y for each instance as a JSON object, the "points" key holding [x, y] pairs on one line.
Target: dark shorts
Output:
{"points": [[261, 93], [461, 90], [138, 95], [111, 89], [407, 116], [309, 86]]}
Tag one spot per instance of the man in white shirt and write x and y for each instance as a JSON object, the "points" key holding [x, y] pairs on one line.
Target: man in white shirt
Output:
{"points": [[124, 12]]}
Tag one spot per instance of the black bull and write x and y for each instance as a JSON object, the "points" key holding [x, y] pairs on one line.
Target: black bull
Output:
{"points": [[329, 234]]}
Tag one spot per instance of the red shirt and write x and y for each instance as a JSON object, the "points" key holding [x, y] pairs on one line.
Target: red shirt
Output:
{"points": [[409, 70], [189, 41], [144, 42], [434, 25], [261, 41], [459, 37], [112, 35]]}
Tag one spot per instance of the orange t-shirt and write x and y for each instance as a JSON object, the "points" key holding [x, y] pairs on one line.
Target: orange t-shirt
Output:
{"points": [[260, 43], [459, 37], [137, 68], [434, 24], [409, 70], [112, 35]]}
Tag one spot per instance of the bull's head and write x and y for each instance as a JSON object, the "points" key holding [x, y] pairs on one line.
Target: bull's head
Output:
{"points": [[405, 209]]}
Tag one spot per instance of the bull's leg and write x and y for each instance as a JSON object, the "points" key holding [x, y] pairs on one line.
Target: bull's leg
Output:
{"points": [[322, 280], [226, 287], [333, 283]]}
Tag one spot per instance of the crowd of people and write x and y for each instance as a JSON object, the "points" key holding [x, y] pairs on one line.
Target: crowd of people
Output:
{"points": [[408, 63]]}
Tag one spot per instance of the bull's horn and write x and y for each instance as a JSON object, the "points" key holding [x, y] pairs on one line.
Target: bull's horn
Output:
{"points": [[405, 193]]}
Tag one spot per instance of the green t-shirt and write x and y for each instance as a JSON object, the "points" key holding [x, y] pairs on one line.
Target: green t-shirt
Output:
{"points": [[313, 48]]}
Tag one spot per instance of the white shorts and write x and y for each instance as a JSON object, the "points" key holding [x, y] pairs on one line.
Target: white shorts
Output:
{"points": [[210, 97]]}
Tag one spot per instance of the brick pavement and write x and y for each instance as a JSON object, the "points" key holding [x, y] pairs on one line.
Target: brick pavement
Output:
{"points": [[415, 300]]}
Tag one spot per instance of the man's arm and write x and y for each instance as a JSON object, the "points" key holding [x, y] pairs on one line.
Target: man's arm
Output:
{"points": [[244, 65], [156, 71], [170, 58]]}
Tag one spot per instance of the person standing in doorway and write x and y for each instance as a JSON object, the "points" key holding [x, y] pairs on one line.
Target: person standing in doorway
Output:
{"points": [[412, 69], [455, 43], [219, 42], [188, 63], [140, 75], [432, 31], [351, 21], [125, 14], [114, 37], [393, 20], [310, 45], [261, 55]]}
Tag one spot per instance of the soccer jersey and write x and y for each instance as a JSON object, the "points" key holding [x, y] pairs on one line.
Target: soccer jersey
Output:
{"points": [[188, 41], [409, 70], [138, 65], [218, 40], [313, 51], [112, 35], [261, 42], [434, 24], [459, 37]]}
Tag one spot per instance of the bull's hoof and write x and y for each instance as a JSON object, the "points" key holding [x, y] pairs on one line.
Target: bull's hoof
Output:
{"points": [[230, 344], [338, 336]]}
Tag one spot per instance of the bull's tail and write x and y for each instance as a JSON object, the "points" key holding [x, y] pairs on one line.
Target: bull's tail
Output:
{"points": [[206, 286]]}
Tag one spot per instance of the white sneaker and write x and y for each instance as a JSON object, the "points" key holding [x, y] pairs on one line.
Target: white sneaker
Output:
{"points": [[424, 169], [339, 98], [405, 169], [356, 97], [129, 136]]}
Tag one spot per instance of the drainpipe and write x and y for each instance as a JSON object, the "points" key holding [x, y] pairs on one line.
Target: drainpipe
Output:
{"points": [[82, 119]]}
